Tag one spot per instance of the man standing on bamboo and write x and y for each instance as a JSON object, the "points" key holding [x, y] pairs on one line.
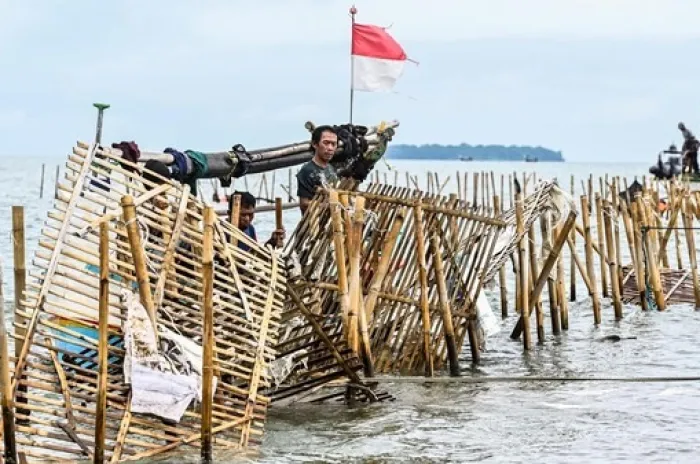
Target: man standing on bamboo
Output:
{"points": [[690, 149], [317, 172]]}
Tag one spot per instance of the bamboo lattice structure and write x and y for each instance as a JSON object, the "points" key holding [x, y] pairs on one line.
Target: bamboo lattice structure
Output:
{"points": [[155, 256]]}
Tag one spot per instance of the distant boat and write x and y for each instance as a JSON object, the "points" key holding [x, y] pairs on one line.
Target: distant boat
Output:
{"points": [[530, 160], [468, 158]]}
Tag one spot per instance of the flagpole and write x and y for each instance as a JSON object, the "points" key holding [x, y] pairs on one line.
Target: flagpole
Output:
{"points": [[353, 12]]}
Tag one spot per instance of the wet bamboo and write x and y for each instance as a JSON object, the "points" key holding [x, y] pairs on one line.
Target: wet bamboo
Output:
{"points": [[543, 276], [690, 239], [103, 335], [600, 233], [20, 283], [207, 333], [6, 402], [590, 266], [339, 250], [545, 226], [636, 224], [41, 187], [445, 311], [612, 255], [139, 258], [475, 187], [533, 275], [561, 291], [355, 283], [651, 260], [502, 282], [423, 281], [572, 263], [522, 271], [356, 254], [616, 231], [459, 185]]}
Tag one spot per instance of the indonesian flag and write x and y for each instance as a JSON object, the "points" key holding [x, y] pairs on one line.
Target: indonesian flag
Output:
{"points": [[378, 60]]}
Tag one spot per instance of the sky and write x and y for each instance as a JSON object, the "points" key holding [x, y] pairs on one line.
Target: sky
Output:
{"points": [[600, 80]]}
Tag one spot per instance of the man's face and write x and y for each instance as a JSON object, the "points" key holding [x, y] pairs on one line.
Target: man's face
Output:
{"points": [[325, 149], [245, 216]]}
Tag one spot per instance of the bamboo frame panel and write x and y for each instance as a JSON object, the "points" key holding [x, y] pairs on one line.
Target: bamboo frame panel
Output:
{"points": [[400, 322], [59, 361]]}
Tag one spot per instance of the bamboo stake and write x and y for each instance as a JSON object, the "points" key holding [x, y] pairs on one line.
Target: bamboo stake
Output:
{"points": [[561, 292], [502, 271], [363, 335], [339, 249], [545, 227], [20, 283], [445, 310], [234, 214], [208, 333], [651, 258], [7, 403], [522, 271], [101, 406], [590, 267], [139, 258], [601, 244], [534, 272], [615, 283], [572, 262], [690, 239], [423, 281]]}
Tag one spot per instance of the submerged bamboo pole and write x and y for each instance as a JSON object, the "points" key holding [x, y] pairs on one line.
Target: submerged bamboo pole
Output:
{"points": [[339, 249], [423, 281], [572, 262], [446, 312], [690, 239], [102, 349], [207, 333], [502, 282], [612, 257], [358, 222], [590, 266], [522, 271], [601, 243]]}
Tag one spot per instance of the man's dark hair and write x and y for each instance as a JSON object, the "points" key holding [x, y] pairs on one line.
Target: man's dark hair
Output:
{"points": [[316, 134], [158, 167], [247, 200]]}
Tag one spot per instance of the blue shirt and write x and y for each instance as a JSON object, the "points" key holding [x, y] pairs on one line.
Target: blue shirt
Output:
{"points": [[250, 232]]}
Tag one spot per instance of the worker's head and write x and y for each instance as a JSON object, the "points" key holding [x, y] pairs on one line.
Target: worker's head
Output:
{"points": [[324, 141], [246, 213], [681, 126]]}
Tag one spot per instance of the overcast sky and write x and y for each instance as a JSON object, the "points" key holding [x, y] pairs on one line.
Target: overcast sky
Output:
{"points": [[601, 80]]}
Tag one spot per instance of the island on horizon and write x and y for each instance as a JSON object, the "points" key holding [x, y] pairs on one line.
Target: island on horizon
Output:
{"points": [[466, 152]]}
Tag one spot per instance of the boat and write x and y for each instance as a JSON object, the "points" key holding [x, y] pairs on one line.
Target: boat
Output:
{"points": [[466, 158], [530, 160]]}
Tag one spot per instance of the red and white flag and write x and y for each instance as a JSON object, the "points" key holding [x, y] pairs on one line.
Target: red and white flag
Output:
{"points": [[377, 59]]}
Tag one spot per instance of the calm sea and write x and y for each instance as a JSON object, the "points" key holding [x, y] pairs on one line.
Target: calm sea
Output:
{"points": [[544, 422]]}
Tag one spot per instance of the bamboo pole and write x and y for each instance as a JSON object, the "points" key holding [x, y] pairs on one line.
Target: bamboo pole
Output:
{"points": [[534, 272], [522, 270], [651, 258], [690, 239], [233, 216], [20, 283], [423, 280], [561, 292], [545, 226], [103, 337], [600, 232], [448, 327], [502, 282], [572, 262], [339, 249], [139, 258], [358, 301], [612, 255], [590, 266], [208, 333], [41, 188], [6, 402]]}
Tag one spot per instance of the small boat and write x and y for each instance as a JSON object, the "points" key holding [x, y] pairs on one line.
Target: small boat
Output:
{"points": [[530, 160], [466, 158]]}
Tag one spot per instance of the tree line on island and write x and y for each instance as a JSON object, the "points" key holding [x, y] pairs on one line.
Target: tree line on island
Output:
{"points": [[466, 152]]}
